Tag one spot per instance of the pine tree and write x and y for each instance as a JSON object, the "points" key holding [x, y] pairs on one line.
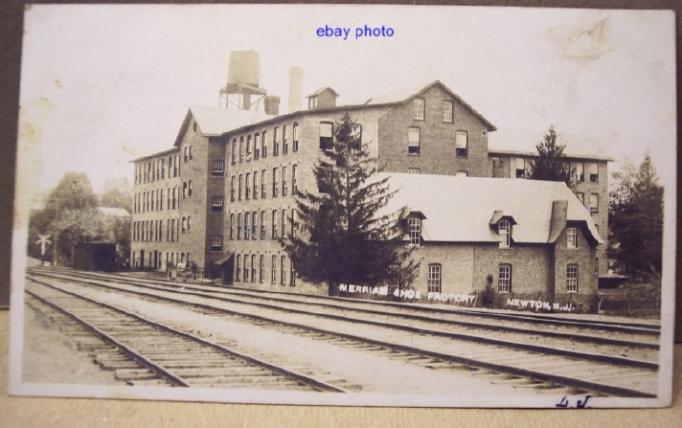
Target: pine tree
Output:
{"points": [[550, 163], [341, 236]]}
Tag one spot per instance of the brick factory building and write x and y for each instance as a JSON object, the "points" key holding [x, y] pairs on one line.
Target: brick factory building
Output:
{"points": [[225, 192]]}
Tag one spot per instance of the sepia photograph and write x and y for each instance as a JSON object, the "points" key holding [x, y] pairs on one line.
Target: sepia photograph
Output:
{"points": [[418, 206]]}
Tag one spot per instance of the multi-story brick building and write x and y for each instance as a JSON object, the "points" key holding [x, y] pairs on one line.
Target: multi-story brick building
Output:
{"points": [[237, 172]]}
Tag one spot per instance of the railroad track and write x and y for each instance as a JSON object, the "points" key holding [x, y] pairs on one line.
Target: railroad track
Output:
{"points": [[142, 350], [596, 373]]}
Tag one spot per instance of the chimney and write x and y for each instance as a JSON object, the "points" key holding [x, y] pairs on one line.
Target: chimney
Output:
{"points": [[322, 99], [295, 88], [272, 105]]}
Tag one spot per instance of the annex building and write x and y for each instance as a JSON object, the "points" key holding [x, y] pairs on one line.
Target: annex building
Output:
{"points": [[223, 194]]}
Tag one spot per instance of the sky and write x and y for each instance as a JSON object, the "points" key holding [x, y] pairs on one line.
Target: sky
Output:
{"points": [[103, 84]]}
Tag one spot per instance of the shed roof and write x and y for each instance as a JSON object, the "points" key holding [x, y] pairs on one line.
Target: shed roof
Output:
{"points": [[458, 209]]}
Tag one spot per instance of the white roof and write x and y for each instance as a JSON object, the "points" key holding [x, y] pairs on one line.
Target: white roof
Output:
{"points": [[114, 212], [214, 121], [458, 209], [522, 143]]}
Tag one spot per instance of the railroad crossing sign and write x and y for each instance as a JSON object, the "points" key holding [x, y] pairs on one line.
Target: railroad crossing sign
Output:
{"points": [[43, 241]]}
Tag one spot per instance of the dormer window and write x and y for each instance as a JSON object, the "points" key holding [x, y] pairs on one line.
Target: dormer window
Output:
{"points": [[312, 103], [504, 228], [572, 238], [414, 227]]}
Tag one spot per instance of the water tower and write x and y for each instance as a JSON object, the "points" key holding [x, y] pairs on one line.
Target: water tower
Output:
{"points": [[243, 78]]}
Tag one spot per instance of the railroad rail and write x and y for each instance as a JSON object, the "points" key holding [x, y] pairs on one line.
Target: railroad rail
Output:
{"points": [[599, 373], [164, 353]]}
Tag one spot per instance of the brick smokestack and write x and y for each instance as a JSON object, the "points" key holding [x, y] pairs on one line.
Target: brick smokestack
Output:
{"points": [[295, 88]]}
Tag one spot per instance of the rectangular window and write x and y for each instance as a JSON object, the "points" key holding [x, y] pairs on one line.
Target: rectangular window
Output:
{"points": [[241, 186], [294, 187], [285, 180], [248, 148], [218, 168], [231, 226], [285, 141], [275, 142], [233, 187], [593, 171], [246, 268], [262, 184], [504, 278], [261, 268], [241, 149], [274, 224], [253, 268], [292, 274], [247, 186], [294, 225], [413, 170], [217, 203], [326, 135], [572, 278], [413, 140], [239, 226], [283, 223], [434, 278], [262, 225], [447, 107], [414, 225], [519, 167], [505, 230], [256, 146], [282, 270], [238, 268], [273, 271], [419, 107], [594, 203], [572, 238], [264, 148], [294, 143], [247, 228], [462, 143], [274, 182], [216, 242], [256, 189], [578, 171], [254, 225]]}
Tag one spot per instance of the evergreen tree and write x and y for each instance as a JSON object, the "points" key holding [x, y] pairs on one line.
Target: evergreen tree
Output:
{"points": [[550, 163], [636, 219], [342, 237]]}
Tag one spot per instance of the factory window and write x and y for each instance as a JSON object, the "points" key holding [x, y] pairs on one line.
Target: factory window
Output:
{"points": [[520, 167], [274, 224], [413, 171], [593, 171], [312, 103], [285, 141], [419, 107], [447, 106], [241, 186], [256, 190], [504, 278], [462, 143], [273, 270], [282, 270], [216, 242], [256, 146], [414, 227], [294, 224], [274, 182], [413, 140], [572, 238], [246, 268], [231, 226], [504, 228], [218, 168], [262, 184], [184, 189], [248, 148], [292, 274], [239, 226], [217, 203], [285, 186], [572, 278], [434, 278], [241, 149], [247, 186], [189, 224], [253, 268], [232, 188], [189, 189], [326, 135], [596, 265], [238, 268], [356, 140], [185, 154], [264, 148], [581, 197], [283, 223], [261, 268], [594, 203], [184, 224], [191, 156], [234, 151], [254, 225], [262, 225], [578, 169], [275, 142], [294, 186], [294, 143], [247, 227]]}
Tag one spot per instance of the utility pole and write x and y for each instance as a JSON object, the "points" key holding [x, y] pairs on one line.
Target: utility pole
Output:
{"points": [[43, 241]]}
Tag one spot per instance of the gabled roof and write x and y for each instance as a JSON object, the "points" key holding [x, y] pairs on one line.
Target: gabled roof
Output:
{"points": [[319, 91], [407, 95], [458, 209], [214, 121], [157, 154]]}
